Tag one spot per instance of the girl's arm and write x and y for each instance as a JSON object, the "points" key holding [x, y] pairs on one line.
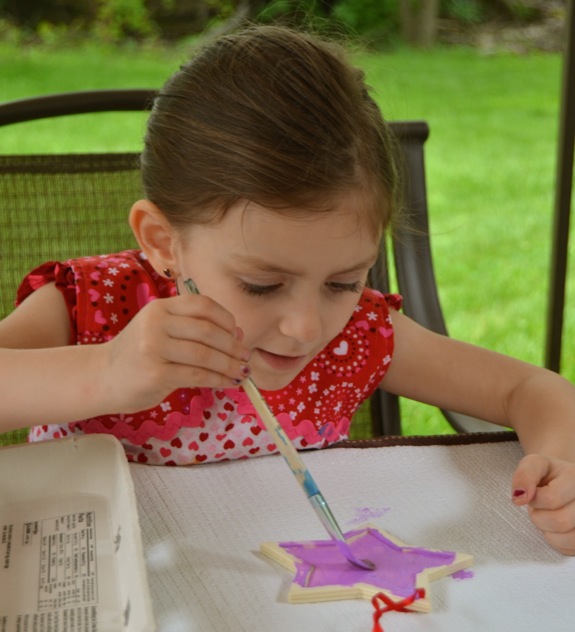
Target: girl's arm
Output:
{"points": [[538, 404], [46, 380]]}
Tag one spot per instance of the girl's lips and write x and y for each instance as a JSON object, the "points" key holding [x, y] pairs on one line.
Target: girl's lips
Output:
{"points": [[281, 362]]}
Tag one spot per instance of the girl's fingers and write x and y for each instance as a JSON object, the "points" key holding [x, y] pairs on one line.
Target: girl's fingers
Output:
{"points": [[201, 308], [203, 359], [179, 342], [560, 520], [183, 328], [556, 488], [530, 472], [183, 376], [197, 334], [547, 486], [544, 483], [562, 542]]}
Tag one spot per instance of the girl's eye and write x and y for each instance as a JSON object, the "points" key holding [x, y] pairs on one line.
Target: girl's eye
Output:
{"points": [[259, 290], [357, 287], [263, 290]]}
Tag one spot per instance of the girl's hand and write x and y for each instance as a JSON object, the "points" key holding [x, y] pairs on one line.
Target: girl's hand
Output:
{"points": [[178, 342], [547, 487]]}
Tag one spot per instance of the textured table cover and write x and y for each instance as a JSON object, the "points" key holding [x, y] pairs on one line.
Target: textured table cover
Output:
{"points": [[202, 527]]}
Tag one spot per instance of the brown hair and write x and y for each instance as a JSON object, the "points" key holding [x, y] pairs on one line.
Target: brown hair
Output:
{"points": [[268, 115]]}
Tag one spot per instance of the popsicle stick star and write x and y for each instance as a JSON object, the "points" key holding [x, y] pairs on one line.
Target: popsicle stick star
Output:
{"points": [[323, 574]]}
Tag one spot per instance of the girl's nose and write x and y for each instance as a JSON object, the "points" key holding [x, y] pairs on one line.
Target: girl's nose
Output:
{"points": [[302, 321]]}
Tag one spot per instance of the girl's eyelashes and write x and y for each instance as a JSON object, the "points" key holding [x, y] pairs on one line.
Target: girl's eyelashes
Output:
{"points": [[356, 286], [259, 290], [262, 290]]}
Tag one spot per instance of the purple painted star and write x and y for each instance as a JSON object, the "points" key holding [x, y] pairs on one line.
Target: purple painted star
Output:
{"points": [[321, 573]]}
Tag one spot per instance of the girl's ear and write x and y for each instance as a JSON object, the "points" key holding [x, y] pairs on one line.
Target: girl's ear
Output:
{"points": [[156, 236]]}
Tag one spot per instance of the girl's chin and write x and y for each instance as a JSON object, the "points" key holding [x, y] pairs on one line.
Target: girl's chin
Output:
{"points": [[272, 372], [270, 383]]}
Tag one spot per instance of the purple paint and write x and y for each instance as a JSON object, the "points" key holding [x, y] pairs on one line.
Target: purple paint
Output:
{"points": [[319, 563], [364, 514], [463, 574]]}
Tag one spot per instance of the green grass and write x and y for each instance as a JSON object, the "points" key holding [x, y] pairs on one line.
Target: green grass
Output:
{"points": [[490, 169]]}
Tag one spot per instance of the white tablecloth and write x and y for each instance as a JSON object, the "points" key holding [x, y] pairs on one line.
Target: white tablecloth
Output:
{"points": [[202, 527]]}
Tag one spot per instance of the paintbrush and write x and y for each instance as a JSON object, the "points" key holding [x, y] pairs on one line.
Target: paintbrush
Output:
{"points": [[297, 466]]}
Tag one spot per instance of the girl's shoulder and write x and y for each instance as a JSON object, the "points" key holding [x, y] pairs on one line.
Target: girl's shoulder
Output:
{"points": [[102, 293], [378, 301], [74, 276]]}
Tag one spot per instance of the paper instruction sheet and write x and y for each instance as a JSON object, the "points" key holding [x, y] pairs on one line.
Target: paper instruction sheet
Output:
{"points": [[70, 548], [58, 558]]}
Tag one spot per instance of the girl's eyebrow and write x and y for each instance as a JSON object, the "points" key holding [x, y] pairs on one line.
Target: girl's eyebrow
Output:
{"points": [[263, 265]]}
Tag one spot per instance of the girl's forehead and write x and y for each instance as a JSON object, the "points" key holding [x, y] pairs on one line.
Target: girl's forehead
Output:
{"points": [[255, 237], [353, 208], [254, 222], [251, 235]]}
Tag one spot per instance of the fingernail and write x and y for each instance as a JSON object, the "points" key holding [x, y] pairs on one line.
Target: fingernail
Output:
{"points": [[246, 355], [239, 333], [245, 370], [519, 493]]}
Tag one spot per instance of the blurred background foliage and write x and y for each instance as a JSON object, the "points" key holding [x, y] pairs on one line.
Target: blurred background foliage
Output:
{"points": [[379, 23]]}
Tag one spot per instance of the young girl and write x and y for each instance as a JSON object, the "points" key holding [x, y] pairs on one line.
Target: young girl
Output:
{"points": [[269, 181]]}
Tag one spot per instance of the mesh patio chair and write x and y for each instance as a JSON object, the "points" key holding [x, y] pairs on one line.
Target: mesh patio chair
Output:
{"points": [[60, 206]]}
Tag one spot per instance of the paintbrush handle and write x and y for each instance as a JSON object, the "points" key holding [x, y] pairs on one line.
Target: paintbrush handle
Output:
{"points": [[296, 465], [282, 441], [300, 471], [285, 446]]}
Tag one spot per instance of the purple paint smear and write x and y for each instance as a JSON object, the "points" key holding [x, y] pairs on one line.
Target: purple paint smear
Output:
{"points": [[364, 514], [463, 574], [319, 563]]}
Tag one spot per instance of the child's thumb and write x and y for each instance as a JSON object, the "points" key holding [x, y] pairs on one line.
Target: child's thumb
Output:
{"points": [[532, 469]]}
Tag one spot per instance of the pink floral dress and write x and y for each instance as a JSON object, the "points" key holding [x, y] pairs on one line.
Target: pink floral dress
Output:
{"points": [[195, 425]]}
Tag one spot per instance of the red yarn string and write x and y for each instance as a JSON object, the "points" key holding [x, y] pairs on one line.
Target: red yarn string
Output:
{"points": [[399, 606]]}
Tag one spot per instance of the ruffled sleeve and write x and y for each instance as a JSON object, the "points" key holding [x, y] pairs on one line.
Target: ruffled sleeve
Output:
{"points": [[394, 300], [63, 276]]}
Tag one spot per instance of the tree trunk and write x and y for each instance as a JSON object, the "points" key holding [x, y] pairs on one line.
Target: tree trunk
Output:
{"points": [[246, 11], [326, 7], [418, 19]]}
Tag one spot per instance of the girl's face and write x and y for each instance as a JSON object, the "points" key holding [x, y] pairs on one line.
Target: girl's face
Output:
{"points": [[291, 283]]}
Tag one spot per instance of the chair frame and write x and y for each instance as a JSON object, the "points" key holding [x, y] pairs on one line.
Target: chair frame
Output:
{"points": [[411, 247]]}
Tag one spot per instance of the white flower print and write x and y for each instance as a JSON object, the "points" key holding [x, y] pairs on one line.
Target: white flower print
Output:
{"points": [[121, 418], [372, 316], [108, 282], [165, 406], [113, 271], [108, 298]]}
